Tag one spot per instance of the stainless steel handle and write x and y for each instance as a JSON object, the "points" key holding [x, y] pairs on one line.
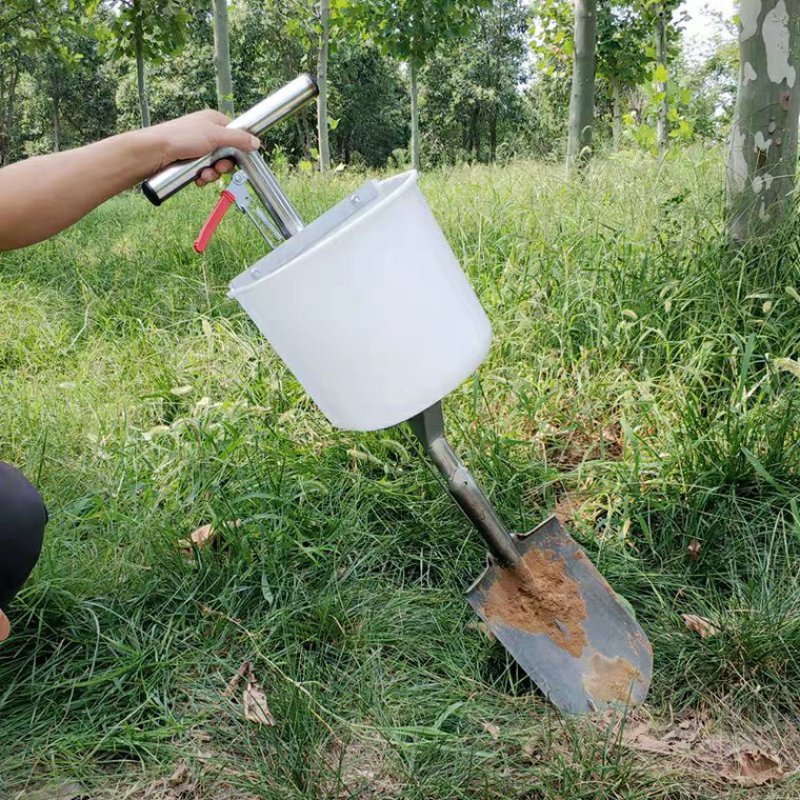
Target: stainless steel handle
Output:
{"points": [[258, 119], [428, 427]]}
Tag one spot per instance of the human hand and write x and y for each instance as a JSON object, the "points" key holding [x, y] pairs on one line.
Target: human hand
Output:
{"points": [[194, 135], [5, 626]]}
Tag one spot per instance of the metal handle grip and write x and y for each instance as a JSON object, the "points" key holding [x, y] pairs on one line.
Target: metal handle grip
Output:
{"points": [[258, 119]]}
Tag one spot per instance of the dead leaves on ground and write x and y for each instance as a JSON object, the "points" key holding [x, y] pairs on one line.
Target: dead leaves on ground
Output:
{"points": [[586, 440], [206, 536], [254, 700], [754, 768], [700, 625], [255, 705], [201, 537], [492, 729], [64, 791], [576, 507], [691, 740]]}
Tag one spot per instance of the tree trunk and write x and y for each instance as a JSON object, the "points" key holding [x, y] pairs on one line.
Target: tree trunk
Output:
{"points": [[141, 81], [493, 137], [617, 115], [322, 82], [581, 102], [222, 56], [414, 117], [9, 97], [662, 134], [56, 125], [763, 147], [307, 136]]}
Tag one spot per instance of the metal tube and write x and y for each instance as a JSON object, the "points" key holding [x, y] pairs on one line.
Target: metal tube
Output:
{"points": [[258, 119], [429, 429], [269, 191]]}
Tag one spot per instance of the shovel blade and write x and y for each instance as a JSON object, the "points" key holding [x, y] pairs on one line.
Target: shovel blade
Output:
{"points": [[591, 655]]}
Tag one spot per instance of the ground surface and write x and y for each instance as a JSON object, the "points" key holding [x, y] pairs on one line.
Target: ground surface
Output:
{"points": [[642, 382]]}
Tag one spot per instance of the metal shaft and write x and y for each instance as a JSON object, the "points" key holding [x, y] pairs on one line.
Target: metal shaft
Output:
{"points": [[428, 427], [258, 119], [269, 191]]}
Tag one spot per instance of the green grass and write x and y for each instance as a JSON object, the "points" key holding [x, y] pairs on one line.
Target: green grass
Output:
{"points": [[633, 369]]}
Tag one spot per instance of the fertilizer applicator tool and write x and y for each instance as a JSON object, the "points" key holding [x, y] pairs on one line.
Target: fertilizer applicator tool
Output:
{"points": [[370, 310]]}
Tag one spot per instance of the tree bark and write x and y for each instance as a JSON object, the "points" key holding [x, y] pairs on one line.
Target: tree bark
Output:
{"points": [[56, 125], [414, 117], [662, 133], [581, 102], [222, 56], [322, 81], [616, 115], [762, 156], [9, 97], [141, 80], [493, 137]]}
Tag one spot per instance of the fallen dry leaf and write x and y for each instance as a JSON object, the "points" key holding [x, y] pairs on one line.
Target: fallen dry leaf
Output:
{"points": [[640, 736], [693, 549], [753, 768], [180, 776], [255, 704], [254, 701], [181, 391], [678, 737], [64, 791], [699, 625], [568, 508], [245, 669], [492, 730], [204, 535]]}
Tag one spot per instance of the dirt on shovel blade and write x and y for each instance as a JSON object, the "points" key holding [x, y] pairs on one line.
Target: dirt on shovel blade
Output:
{"points": [[560, 620], [538, 596]]}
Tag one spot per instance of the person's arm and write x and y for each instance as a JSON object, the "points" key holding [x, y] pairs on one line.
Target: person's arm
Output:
{"points": [[43, 195], [5, 627]]}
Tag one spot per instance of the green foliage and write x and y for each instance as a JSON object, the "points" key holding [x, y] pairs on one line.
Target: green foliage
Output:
{"points": [[30, 30], [368, 97], [640, 370], [158, 25], [622, 37], [73, 98], [177, 85], [411, 30], [712, 85], [622, 56], [472, 104]]}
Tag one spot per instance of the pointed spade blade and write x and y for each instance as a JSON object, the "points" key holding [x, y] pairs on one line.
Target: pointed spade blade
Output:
{"points": [[564, 624]]}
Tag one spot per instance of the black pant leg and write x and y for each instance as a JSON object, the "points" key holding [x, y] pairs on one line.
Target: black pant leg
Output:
{"points": [[22, 520]]}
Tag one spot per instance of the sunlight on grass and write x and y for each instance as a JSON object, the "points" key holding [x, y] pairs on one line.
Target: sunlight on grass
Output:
{"points": [[635, 370]]}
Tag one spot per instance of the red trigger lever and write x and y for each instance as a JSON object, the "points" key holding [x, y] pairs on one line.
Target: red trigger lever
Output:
{"points": [[214, 219]]}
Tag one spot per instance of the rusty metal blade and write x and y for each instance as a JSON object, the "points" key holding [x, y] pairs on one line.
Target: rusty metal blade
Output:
{"points": [[608, 663]]}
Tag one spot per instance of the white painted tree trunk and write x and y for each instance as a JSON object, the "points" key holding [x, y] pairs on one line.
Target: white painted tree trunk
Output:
{"points": [[323, 136], [763, 146], [415, 160], [581, 101], [662, 129], [222, 57]]}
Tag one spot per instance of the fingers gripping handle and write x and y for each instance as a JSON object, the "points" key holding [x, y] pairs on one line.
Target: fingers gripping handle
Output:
{"points": [[258, 119]]}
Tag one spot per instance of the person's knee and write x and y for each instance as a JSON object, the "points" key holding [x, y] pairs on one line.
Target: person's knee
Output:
{"points": [[22, 520]]}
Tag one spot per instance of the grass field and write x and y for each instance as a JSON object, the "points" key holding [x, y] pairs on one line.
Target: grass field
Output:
{"points": [[643, 382]]}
